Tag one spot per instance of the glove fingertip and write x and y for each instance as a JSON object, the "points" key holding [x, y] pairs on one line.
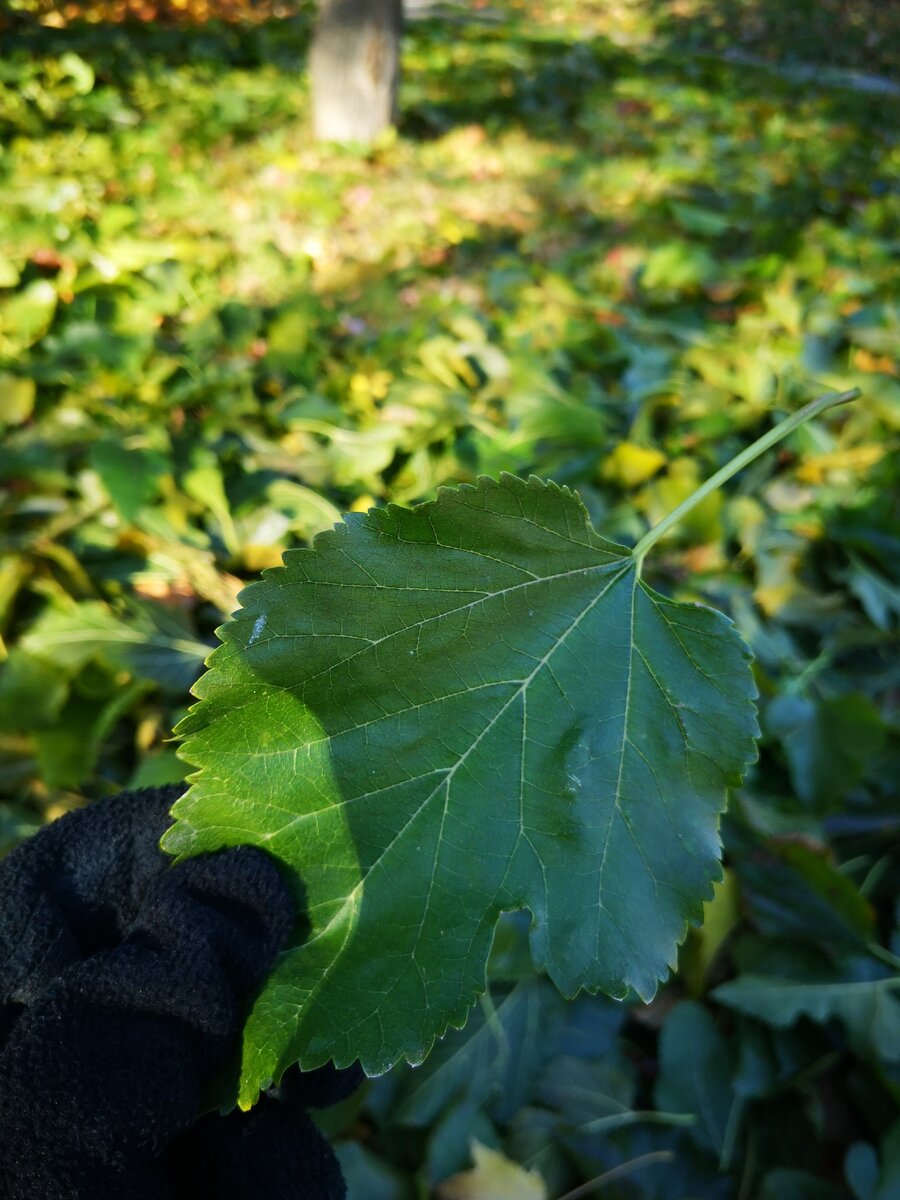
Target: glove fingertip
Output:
{"points": [[248, 876], [236, 900]]}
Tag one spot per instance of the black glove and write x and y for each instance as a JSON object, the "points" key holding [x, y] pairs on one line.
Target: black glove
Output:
{"points": [[124, 984]]}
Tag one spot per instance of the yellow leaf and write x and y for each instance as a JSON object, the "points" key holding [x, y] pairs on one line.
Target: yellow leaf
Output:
{"points": [[631, 464], [778, 582], [720, 915], [682, 477], [16, 398], [9, 272], [493, 1177], [366, 388], [856, 460], [865, 360], [259, 558]]}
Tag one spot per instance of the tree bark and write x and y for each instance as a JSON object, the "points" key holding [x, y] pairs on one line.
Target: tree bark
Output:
{"points": [[354, 67]]}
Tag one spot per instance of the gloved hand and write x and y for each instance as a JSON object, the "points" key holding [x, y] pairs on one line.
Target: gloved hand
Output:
{"points": [[124, 984]]}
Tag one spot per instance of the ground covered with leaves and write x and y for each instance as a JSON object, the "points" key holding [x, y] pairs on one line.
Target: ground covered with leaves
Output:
{"points": [[602, 249]]}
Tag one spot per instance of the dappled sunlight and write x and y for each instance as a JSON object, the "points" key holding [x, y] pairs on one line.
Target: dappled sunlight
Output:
{"points": [[563, 229]]}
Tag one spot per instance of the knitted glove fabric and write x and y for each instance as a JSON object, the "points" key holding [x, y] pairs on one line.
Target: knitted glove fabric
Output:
{"points": [[124, 984]]}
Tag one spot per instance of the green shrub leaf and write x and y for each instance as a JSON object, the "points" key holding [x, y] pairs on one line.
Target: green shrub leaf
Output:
{"points": [[442, 713], [868, 1008]]}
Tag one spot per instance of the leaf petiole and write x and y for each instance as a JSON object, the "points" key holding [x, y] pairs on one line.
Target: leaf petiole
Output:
{"points": [[747, 456]]}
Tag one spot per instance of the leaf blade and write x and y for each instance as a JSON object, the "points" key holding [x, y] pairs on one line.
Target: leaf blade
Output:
{"points": [[479, 699], [869, 1009]]}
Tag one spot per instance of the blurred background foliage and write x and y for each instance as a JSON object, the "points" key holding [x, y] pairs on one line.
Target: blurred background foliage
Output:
{"points": [[607, 244]]}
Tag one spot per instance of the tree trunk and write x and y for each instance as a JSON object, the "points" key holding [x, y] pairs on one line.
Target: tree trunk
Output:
{"points": [[354, 68]]}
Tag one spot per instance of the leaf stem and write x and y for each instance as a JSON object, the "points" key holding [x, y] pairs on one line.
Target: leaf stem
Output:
{"points": [[633, 1117], [747, 456], [625, 1168], [882, 953]]}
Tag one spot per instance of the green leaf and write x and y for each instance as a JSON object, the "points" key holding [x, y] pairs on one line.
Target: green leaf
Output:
{"points": [[369, 1177], [590, 1095], [442, 713], [450, 1138], [80, 72], [491, 1061], [694, 218], [868, 1179], [869, 1009], [861, 1170], [679, 266], [130, 475], [309, 513], [17, 394], [68, 752], [156, 769], [695, 1069], [879, 596], [204, 484], [26, 316], [9, 272], [828, 744], [32, 691], [794, 889], [149, 639], [787, 1184]]}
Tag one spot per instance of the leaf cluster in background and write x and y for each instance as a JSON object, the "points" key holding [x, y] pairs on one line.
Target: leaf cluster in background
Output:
{"points": [[596, 252], [56, 14]]}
